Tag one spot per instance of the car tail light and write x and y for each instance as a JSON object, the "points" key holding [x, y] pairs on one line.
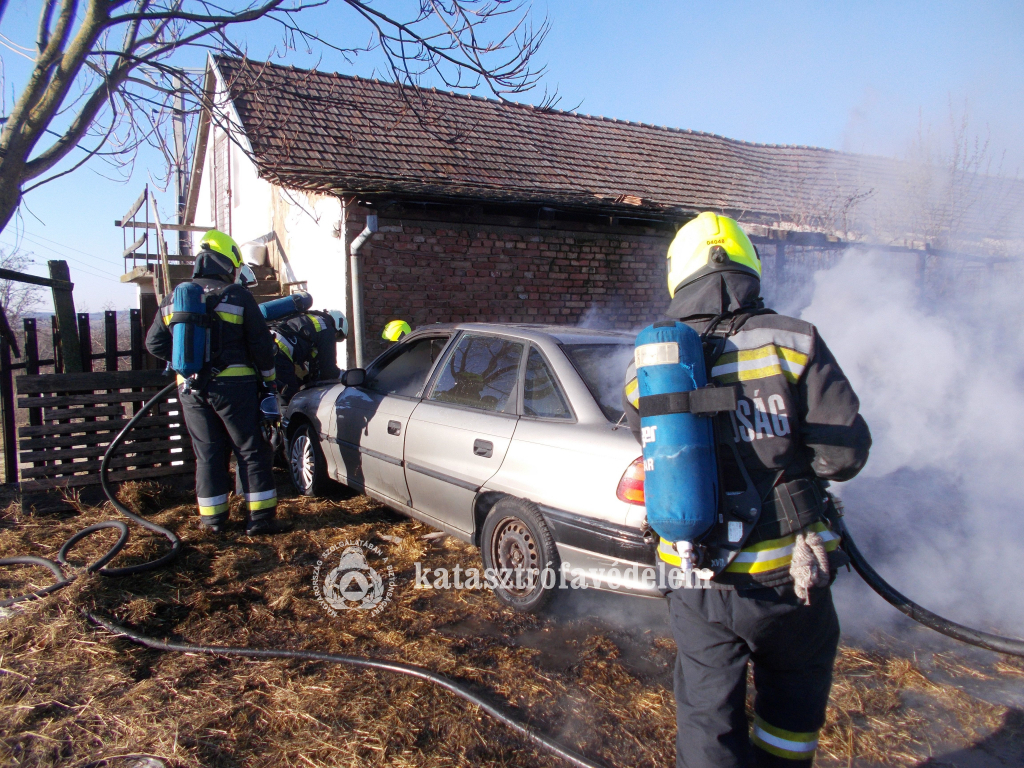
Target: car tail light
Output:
{"points": [[631, 486]]}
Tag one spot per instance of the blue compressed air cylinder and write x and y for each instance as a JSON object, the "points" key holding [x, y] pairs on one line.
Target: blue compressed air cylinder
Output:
{"points": [[680, 470], [287, 305], [188, 337]]}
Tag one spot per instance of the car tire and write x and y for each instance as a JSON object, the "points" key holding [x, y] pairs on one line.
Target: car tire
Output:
{"points": [[515, 537], [306, 465]]}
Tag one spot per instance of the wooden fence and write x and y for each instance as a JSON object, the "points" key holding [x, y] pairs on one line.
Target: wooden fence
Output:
{"points": [[60, 424], [74, 416]]}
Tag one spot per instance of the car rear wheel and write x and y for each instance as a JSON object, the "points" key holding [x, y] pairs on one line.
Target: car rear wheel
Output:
{"points": [[518, 548], [306, 463]]}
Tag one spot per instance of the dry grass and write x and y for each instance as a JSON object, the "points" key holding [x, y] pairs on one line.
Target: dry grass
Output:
{"points": [[70, 694]]}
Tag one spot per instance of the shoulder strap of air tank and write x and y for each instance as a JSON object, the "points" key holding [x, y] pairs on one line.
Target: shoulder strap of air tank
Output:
{"points": [[216, 296], [213, 298], [739, 512]]}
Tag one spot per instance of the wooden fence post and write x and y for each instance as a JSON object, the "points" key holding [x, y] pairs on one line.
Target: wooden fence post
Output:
{"points": [[35, 415], [58, 348], [110, 339], [7, 397], [85, 340], [64, 305], [135, 318]]}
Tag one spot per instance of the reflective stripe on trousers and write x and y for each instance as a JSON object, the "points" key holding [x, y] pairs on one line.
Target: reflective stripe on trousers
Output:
{"points": [[261, 500], [211, 506], [788, 745], [223, 417]]}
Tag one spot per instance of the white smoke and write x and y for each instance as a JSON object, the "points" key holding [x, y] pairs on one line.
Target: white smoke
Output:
{"points": [[939, 509]]}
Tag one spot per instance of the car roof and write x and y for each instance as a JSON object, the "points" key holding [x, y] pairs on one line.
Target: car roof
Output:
{"points": [[562, 334]]}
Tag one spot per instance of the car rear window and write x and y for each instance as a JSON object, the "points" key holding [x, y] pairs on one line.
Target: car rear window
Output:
{"points": [[603, 369]]}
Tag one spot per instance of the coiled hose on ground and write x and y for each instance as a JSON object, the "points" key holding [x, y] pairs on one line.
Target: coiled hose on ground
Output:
{"points": [[56, 567], [906, 606]]}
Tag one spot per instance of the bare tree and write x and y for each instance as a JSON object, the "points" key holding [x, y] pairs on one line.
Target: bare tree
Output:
{"points": [[17, 298], [105, 72], [948, 190]]}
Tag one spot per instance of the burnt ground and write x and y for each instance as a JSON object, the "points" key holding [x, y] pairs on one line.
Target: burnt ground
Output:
{"points": [[594, 670]]}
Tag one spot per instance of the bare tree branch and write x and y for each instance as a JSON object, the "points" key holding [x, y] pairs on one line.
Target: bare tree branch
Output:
{"points": [[85, 88]]}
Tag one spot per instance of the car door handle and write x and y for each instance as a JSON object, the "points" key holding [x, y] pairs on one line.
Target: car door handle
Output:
{"points": [[394, 427], [483, 448]]}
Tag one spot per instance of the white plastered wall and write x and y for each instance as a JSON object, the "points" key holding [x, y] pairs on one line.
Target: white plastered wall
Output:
{"points": [[301, 229], [251, 213], [308, 248]]}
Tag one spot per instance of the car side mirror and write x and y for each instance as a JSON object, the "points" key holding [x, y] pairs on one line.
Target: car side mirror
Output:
{"points": [[354, 377]]}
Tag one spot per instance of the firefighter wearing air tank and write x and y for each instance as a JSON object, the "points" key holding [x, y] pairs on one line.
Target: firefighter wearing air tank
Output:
{"points": [[307, 350], [212, 333], [736, 489]]}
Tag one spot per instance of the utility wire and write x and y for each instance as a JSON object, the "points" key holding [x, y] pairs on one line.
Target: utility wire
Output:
{"points": [[69, 248], [81, 265]]}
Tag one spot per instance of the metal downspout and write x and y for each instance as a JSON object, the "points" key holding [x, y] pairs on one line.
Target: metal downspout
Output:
{"points": [[357, 284]]}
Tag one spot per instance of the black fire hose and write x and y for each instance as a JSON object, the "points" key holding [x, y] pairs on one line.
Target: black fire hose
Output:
{"points": [[175, 541], [412, 670], [56, 567], [908, 607]]}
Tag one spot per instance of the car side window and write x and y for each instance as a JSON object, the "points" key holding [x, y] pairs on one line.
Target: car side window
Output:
{"points": [[541, 396], [481, 372], [404, 373]]}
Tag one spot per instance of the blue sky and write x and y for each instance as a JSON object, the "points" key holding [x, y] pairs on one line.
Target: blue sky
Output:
{"points": [[861, 77]]}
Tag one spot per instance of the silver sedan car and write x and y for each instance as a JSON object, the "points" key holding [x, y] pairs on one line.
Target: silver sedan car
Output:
{"points": [[509, 437]]}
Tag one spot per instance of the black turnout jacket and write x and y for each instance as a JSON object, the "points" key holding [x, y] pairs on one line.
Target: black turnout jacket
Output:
{"points": [[797, 419]]}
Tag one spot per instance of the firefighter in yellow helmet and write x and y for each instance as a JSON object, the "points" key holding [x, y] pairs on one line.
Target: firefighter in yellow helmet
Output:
{"points": [[796, 426], [395, 330], [221, 403]]}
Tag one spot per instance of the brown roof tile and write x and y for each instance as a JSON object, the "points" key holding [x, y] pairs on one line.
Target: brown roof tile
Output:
{"points": [[326, 131]]}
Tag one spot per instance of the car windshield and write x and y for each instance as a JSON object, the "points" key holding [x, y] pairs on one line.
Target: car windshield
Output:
{"points": [[603, 368]]}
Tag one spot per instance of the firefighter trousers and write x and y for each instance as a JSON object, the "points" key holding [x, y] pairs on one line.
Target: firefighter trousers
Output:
{"points": [[225, 416], [792, 648]]}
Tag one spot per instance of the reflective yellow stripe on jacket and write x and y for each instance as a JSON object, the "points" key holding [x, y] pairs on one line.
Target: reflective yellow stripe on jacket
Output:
{"points": [[233, 371], [761, 557], [769, 360], [284, 345], [237, 370], [760, 353], [317, 322], [230, 313], [776, 553]]}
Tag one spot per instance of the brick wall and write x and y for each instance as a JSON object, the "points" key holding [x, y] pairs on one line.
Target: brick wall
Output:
{"points": [[434, 272]]}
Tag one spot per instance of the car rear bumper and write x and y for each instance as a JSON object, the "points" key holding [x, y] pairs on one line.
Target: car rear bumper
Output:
{"points": [[606, 555]]}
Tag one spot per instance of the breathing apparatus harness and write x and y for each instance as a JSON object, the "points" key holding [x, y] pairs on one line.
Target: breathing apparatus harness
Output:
{"points": [[800, 501]]}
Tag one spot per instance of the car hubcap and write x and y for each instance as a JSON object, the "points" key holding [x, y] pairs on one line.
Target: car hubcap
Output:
{"points": [[303, 462], [515, 549]]}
